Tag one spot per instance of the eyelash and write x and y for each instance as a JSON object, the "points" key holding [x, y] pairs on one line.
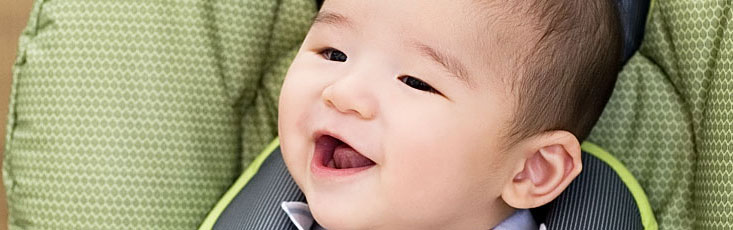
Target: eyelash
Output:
{"points": [[332, 54], [418, 84], [329, 53]]}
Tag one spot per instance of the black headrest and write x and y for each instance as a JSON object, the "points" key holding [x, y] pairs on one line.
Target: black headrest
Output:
{"points": [[633, 14]]}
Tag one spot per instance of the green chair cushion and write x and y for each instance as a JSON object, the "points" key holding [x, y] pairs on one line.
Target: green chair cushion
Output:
{"points": [[670, 119], [140, 114]]}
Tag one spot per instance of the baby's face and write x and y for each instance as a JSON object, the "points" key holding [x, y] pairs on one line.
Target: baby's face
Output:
{"points": [[393, 114]]}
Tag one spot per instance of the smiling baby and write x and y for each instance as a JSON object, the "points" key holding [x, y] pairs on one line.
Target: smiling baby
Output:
{"points": [[444, 114]]}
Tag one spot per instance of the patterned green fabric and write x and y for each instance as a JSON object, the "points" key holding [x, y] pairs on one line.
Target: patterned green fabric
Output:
{"points": [[140, 114], [670, 119]]}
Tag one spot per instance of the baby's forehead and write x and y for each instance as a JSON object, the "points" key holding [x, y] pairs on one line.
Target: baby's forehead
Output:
{"points": [[462, 38]]}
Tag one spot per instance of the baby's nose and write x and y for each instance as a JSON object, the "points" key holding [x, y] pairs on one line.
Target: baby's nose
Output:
{"points": [[349, 96]]}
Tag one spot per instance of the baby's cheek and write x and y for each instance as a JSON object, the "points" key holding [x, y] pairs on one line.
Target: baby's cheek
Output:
{"points": [[415, 194], [415, 175]]}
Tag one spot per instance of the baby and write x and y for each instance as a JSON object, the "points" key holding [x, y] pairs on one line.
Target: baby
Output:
{"points": [[444, 114]]}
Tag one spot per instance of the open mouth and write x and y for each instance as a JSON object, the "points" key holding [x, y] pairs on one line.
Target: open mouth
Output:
{"points": [[335, 154]]}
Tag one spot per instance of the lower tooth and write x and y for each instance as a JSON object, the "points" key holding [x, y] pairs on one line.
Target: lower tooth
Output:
{"points": [[331, 164]]}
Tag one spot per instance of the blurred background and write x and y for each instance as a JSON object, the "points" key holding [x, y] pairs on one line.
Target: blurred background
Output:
{"points": [[13, 17]]}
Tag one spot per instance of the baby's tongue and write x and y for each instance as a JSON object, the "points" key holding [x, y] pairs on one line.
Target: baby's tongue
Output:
{"points": [[346, 157]]}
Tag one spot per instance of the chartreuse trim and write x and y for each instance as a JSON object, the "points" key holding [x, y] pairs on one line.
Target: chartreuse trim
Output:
{"points": [[645, 209], [243, 179]]}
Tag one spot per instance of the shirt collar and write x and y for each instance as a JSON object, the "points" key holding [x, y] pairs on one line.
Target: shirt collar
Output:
{"points": [[301, 216]]}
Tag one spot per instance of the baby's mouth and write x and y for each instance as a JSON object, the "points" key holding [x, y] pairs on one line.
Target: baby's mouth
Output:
{"points": [[334, 153]]}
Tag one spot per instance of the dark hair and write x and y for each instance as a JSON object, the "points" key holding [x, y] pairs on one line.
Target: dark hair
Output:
{"points": [[568, 68]]}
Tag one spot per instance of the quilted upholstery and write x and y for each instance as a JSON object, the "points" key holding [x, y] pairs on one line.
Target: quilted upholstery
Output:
{"points": [[139, 114], [670, 119]]}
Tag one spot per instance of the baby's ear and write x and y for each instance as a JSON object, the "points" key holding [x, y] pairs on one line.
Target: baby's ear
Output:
{"points": [[550, 162]]}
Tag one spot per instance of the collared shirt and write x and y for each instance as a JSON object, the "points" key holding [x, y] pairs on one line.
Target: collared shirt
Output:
{"points": [[300, 215]]}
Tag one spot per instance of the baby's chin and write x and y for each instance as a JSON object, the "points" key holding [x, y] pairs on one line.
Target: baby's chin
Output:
{"points": [[342, 215]]}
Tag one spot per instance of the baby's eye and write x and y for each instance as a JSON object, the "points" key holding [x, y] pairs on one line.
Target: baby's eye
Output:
{"points": [[334, 55], [417, 84]]}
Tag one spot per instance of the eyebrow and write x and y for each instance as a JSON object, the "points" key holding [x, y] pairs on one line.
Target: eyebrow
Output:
{"points": [[456, 68], [451, 64], [332, 18]]}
